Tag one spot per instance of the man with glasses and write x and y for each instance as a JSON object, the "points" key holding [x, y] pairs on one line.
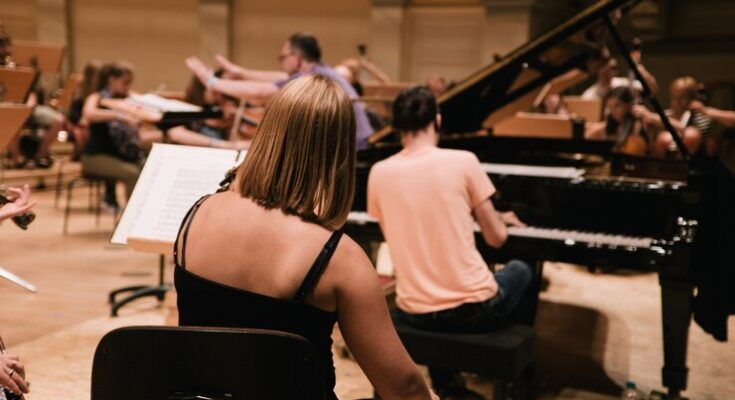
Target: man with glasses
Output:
{"points": [[300, 55]]}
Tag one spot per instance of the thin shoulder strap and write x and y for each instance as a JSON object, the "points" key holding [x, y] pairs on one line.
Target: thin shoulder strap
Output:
{"points": [[318, 267], [185, 225]]}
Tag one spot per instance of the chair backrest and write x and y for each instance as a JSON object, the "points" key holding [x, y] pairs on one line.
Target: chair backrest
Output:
{"points": [[171, 363]]}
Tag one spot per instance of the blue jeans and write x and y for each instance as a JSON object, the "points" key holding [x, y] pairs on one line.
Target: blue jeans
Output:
{"points": [[513, 280]]}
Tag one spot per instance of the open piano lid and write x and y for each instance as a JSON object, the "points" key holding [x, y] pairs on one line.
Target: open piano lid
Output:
{"points": [[512, 83]]}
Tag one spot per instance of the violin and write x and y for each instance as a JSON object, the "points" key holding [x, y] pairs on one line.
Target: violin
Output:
{"points": [[22, 220]]}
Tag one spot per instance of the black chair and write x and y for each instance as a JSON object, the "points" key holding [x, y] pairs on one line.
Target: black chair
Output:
{"points": [[170, 363], [96, 185], [506, 354]]}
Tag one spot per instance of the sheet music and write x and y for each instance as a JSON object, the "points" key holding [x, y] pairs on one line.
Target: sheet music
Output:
{"points": [[173, 178], [163, 104], [532, 170]]}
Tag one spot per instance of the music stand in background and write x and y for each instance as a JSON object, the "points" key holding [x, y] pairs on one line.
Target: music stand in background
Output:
{"points": [[46, 57], [15, 84], [12, 117]]}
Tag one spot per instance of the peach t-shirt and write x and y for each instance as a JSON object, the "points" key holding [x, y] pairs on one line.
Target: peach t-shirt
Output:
{"points": [[424, 202]]}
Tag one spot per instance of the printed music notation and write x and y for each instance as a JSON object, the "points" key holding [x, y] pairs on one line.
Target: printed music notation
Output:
{"points": [[174, 177]]}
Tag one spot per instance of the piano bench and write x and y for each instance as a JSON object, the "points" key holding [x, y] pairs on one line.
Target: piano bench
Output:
{"points": [[505, 355]]}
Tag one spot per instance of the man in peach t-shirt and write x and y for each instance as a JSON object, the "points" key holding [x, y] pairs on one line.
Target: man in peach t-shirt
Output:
{"points": [[427, 201]]}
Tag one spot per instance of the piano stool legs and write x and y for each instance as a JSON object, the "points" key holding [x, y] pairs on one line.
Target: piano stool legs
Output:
{"points": [[159, 291]]}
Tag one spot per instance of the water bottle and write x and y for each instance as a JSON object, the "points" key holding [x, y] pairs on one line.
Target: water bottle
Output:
{"points": [[630, 392]]}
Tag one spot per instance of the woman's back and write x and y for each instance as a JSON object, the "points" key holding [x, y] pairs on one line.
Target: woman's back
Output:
{"points": [[240, 265]]}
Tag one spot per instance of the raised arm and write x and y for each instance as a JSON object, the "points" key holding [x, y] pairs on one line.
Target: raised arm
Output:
{"points": [[375, 72], [368, 330], [250, 74], [242, 89]]}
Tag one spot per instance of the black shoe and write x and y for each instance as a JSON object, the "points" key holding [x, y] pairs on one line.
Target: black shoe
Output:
{"points": [[44, 162]]}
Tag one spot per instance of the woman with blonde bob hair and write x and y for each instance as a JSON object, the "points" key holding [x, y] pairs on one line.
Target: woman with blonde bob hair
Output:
{"points": [[269, 253]]}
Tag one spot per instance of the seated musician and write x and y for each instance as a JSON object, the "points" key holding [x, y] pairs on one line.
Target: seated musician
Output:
{"points": [[112, 150], [300, 55], [269, 253], [79, 127], [210, 132], [693, 126], [607, 80], [621, 124], [43, 118], [427, 201]]}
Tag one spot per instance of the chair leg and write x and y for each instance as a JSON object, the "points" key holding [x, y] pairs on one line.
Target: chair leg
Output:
{"points": [[67, 209], [97, 202], [59, 183]]}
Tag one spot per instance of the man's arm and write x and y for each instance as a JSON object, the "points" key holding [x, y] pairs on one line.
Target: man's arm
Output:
{"points": [[236, 88], [245, 89], [250, 74]]}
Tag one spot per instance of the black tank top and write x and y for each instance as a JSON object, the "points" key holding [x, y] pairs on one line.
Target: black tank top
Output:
{"points": [[202, 302]]}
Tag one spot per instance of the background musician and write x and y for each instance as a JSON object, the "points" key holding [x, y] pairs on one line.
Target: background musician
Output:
{"points": [[213, 132], [691, 125], [427, 200], [621, 123], [112, 150], [35, 151], [300, 55], [607, 80], [269, 254]]}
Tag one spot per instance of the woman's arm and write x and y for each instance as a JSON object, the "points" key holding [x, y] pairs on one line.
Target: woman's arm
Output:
{"points": [[368, 330], [92, 113], [723, 117]]}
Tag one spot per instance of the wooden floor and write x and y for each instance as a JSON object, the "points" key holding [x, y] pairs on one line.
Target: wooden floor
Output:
{"points": [[594, 331]]}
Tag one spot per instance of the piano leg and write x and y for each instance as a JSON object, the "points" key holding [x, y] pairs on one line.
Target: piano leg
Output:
{"points": [[676, 304]]}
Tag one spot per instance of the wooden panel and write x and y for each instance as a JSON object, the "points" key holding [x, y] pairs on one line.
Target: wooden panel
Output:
{"points": [[590, 110], [535, 125], [262, 26], [12, 117], [45, 56], [15, 84], [18, 18], [156, 36], [442, 40]]}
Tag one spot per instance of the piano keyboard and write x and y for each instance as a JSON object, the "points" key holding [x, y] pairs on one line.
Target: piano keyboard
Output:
{"points": [[568, 237]]}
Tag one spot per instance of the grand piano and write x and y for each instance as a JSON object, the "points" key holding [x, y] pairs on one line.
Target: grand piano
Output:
{"points": [[584, 203]]}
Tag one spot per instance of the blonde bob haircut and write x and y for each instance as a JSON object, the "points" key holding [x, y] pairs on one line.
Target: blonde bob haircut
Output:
{"points": [[302, 160]]}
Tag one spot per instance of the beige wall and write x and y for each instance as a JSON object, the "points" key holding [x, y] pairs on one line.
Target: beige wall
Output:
{"points": [[409, 39], [19, 18], [262, 26], [155, 35]]}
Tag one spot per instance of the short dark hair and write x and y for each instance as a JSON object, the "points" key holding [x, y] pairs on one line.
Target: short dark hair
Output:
{"points": [[307, 45], [414, 109]]}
